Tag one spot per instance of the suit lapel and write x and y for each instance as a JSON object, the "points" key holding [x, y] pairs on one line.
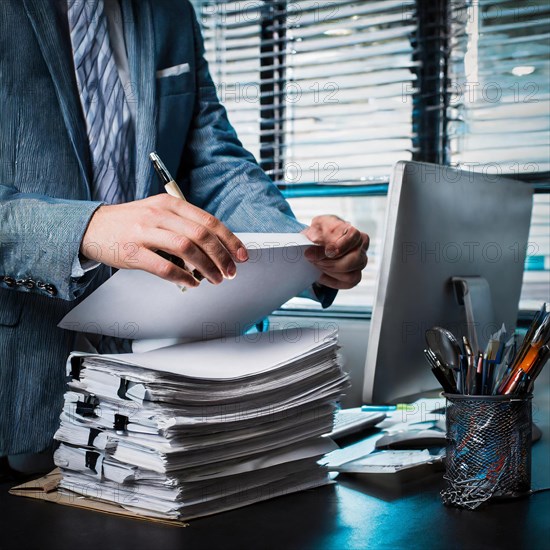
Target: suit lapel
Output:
{"points": [[47, 23], [140, 44]]}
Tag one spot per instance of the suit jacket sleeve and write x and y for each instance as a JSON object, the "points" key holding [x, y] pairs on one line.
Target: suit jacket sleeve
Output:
{"points": [[39, 240], [222, 177]]}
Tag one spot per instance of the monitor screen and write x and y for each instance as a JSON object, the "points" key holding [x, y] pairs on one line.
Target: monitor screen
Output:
{"points": [[441, 223]]}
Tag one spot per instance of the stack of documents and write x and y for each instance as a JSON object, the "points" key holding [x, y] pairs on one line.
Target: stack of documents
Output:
{"points": [[421, 424], [197, 428]]}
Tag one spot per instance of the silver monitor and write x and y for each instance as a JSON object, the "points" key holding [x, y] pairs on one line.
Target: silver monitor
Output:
{"points": [[443, 223]]}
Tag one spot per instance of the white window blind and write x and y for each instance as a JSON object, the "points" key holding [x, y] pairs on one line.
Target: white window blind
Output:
{"points": [[231, 32], [499, 75], [499, 72], [350, 63], [327, 82]]}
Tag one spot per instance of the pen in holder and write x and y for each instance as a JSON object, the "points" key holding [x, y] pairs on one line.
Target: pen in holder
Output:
{"points": [[488, 448]]}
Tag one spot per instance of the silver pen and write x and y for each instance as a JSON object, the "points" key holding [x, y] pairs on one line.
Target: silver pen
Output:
{"points": [[173, 189]]}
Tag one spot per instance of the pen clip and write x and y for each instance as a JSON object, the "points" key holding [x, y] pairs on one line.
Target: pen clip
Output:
{"points": [[160, 168]]}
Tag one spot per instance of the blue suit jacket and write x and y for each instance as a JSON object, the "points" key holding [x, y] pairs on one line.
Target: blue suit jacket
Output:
{"points": [[45, 175]]}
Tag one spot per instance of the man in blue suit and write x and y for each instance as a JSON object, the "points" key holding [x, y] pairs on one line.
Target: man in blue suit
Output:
{"points": [[62, 228]]}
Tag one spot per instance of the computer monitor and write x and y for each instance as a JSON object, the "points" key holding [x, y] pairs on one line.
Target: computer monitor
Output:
{"points": [[442, 223]]}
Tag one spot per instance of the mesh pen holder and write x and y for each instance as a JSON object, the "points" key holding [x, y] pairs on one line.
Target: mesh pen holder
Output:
{"points": [[488, 449]]}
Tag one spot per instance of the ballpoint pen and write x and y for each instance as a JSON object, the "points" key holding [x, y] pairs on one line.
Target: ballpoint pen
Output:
{"points": [[173, 189], [528, 366], [470, 374], [442, 373], [388, 408], [529, 338], [532, 353], [488, 373], [478, 381], [502, 369]]}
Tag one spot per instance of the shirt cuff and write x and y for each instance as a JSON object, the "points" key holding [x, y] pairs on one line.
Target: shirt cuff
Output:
{"points": [[79, 268], [320, 293]]}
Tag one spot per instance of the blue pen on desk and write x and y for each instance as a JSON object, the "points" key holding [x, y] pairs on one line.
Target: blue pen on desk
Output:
{"points": [[387, 408]]}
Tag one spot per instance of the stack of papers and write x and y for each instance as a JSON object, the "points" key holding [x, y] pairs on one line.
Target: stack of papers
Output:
{"points": [[198, 428]]}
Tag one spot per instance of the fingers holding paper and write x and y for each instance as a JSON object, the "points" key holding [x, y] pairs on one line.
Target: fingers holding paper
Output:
{"points": [[342, 255], [128, 236]]}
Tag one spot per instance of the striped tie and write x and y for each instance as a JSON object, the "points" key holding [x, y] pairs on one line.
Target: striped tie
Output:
{"points": [[108, 121]]}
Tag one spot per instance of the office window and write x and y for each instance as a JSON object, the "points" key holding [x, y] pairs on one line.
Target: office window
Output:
{"points": [[499, 109], [329, 94], [499, 74]]}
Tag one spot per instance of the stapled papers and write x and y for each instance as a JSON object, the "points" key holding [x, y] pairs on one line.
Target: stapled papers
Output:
{"points": [[197, 428]]}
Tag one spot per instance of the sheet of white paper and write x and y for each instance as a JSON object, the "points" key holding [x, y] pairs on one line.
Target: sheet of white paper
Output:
{"points": [[306, 449], [352, 452], [389, 462], [135, 304], [230, 358]]}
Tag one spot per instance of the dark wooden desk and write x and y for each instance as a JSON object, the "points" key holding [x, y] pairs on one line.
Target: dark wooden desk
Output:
{"points": [[348, 515]]}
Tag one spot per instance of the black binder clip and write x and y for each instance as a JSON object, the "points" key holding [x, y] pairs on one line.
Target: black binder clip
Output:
{"points": [[87, 407], [123, 388], [121, 422], [94, 432], [76, 367], [91, 460]]}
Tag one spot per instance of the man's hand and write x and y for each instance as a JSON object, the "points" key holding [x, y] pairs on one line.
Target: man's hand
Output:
{"points": [[128, 235], [343, 254]]}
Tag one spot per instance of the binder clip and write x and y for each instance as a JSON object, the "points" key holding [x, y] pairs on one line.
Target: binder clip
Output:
{"points": [[121, 422], [123, 388], [87, 407], [91, 460], [76, 367], [94, 432]]}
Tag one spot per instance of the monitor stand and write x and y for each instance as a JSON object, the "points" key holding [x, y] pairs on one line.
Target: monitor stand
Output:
{"points": [[474, 293]]}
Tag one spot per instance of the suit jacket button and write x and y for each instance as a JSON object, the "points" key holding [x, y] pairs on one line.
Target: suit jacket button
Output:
{"points": [[9, 281], [29, 283], [51, 290]]}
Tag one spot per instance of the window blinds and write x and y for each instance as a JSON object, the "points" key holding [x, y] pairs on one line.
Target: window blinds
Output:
{"points": [[499, 114], [320, 91], [499, 72]]}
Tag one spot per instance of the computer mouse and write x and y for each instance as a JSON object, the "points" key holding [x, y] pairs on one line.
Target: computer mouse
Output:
{"points": [[412, 439]]}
